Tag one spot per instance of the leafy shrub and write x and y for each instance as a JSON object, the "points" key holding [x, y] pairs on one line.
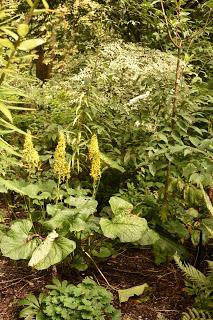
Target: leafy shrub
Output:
{"points": [[64, 301]]}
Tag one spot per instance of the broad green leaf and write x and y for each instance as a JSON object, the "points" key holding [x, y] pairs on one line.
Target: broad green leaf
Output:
{"points": [[207, 200], [43, 249], [66, 215], [85, 206], [149, 237], [60, 248], [125, 294], [174, 226], [128, 228], [120, 207], [23, 29], [11, 185], [30, 44], [5, 110], [17, 244], [112, 164], [7, 43]]}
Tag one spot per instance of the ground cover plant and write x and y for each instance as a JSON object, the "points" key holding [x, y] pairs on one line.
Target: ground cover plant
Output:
{"points": [[106, 150]]}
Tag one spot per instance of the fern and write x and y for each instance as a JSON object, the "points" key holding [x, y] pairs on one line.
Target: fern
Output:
{"points": [[195, 314], [194, 275]]}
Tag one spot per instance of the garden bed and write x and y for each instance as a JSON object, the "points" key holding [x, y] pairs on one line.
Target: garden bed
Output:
{"points": [[129, 268]]}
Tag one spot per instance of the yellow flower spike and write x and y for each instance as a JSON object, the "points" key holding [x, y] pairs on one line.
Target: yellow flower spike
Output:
{"points": [[94, 156], [30, 156], [61, 167], [95, 171], [93, 147]]}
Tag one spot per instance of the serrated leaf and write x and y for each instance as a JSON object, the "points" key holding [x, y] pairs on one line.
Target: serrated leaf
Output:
{"points": [[125, 294], [60, 248], [16, 244], [30, 44], [111, 163], [127, 228]]}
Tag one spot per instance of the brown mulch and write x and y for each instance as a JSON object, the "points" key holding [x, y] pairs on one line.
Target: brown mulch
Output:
{"points": [[133, 267]]}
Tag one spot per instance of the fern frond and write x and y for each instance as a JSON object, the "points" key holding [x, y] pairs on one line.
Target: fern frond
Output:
{"points": [[196, 314], [192, 273]]}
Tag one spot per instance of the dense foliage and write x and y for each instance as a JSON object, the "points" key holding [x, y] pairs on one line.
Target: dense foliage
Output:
{"points": [[109, 107]]}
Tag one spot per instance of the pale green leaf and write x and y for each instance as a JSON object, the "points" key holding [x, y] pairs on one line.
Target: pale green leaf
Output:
{"points": [[17, 244], [60, 248], [127, 228], [10, 33], [149, 237], [7, 147], [46, 6], [7, 43], [5, 110], [43, 250], [120, 207], [30, 44], [125, 294], [23, 29]]}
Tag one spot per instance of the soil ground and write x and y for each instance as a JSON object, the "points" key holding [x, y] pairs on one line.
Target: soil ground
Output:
{"points": [[130, 268]]}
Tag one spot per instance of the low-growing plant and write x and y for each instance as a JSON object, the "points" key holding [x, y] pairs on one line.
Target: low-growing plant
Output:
{"points": [[66, 301]]}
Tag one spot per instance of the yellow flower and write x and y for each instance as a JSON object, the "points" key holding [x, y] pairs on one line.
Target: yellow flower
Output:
{"points": [[93, 147], [30, 156], [95, 158], [61, 166]]}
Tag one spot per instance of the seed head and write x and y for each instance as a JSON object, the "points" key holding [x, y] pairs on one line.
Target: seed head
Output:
{"points": [[30, 156], [61, 166]]}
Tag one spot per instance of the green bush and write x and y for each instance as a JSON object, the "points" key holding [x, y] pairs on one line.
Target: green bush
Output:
{"points": [[66, 301]]}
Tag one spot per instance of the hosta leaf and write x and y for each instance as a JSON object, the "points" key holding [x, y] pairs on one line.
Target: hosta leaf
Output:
{"points": [[128, 228], [120, 207], [59, 249], [30, 44], [112, 164], [17, 243], [125, 294]]}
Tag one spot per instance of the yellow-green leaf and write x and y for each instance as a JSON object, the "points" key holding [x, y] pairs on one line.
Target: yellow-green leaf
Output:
{"points": [[46, 5], [10, 33], [125, 294], [23, 29], [5, 110], [30, 3], [7, 43], [30, 44], [207, 200]]}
